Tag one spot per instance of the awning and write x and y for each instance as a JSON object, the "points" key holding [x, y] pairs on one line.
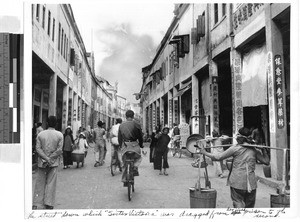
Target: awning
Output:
{"points": [[183, 89], [187, 84]]}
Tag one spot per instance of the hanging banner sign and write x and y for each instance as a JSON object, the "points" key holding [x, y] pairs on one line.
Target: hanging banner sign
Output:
{"points": [[176, 111], [170, 113], [279, 91], [215, 95]]}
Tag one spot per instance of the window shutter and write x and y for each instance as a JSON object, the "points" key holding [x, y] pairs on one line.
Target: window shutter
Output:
{"points": [[186, 43], [180, 51], [202, 27], [72, 57], [194, 36], [198, 28]]}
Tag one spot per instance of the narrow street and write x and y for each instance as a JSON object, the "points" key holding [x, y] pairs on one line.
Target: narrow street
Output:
{"points": [[95, 188]]}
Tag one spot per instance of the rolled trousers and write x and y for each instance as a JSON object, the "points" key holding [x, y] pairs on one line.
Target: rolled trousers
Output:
{"points": [[99, 151], [45, 187], [242, 198]]}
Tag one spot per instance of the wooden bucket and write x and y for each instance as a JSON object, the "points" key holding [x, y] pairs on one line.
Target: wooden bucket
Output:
{"points": [[204, 199], [280, 201]]}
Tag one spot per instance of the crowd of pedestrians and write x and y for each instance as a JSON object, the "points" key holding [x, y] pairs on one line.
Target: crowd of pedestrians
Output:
{"points": [[50, 145]]}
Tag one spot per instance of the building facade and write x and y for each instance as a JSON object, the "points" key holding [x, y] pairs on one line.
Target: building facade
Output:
{"points": [[64, 83], [222, 67]]}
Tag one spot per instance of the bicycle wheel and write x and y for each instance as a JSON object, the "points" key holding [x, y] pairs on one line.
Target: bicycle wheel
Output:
{"points": [[112, 169], [130, 189]]}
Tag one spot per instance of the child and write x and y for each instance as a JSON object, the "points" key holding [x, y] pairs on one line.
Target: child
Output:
{"points": [[81, 145]]}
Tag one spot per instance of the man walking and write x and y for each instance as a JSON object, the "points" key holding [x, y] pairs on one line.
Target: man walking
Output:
{"points": [[129, 133], [49, 145], [241, 178], [114, 140], [100, 144]]}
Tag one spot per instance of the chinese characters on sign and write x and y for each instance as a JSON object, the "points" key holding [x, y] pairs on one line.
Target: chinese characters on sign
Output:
{"points": [[162, 117], [64, 114], [279, 91], [270, 92], [83, 114], [153, 116], [157, 116], [215, 97], [238, 93], [244, 13], [170, 113], [196, 119], [176, 111]]}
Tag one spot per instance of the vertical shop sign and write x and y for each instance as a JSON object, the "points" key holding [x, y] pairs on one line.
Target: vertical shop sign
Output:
{"points": [[270, 92], [279, 91], [153, 116], [170, 113], [215, 97], [157, 116], [83, 114], [238, 93], [176, 114], [64, 113], [70, 112], [196, 114]]}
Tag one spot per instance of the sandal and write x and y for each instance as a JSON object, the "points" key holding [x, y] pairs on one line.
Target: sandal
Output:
{"points": [[160, 173], [166, 174]]}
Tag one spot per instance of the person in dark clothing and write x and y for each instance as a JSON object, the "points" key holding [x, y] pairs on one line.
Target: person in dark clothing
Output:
{"points": [[67, 148], [161, 152], [153, 143], [130, 138]]}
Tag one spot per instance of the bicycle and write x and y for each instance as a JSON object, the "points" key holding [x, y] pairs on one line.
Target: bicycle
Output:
{"points": [[115, 162], [129, 164]]}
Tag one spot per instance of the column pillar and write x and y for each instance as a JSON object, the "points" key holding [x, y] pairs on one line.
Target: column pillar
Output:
{"points": [[52, 94], [195, 105], [276, 94]]}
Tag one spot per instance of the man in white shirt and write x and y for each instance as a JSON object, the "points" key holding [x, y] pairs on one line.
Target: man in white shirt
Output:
{"points": [[114, 140]]}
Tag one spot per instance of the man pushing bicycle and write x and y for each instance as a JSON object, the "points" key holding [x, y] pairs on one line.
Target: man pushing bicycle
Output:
{"points": [[131, 140]]}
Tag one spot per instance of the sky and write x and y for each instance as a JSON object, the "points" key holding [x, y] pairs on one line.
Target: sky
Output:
{"points": [[124, 36]]}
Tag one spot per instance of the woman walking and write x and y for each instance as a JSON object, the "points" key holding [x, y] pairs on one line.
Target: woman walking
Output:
{"points": [[161, 152], [100, 144], [153, 144], [67, 148]]}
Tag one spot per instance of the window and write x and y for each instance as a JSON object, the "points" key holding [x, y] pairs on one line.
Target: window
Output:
{"points": [[53, 29], [62, 41], [58, 46], [43, 21], [67, 50], [64, 52], [216, 12], [223, 9], [37, 12], [49, 22]]}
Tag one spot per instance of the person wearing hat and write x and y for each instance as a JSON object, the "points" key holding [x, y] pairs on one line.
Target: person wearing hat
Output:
{"points": [[241, 178], [67, 148], [161, 152], [100, 144]]}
